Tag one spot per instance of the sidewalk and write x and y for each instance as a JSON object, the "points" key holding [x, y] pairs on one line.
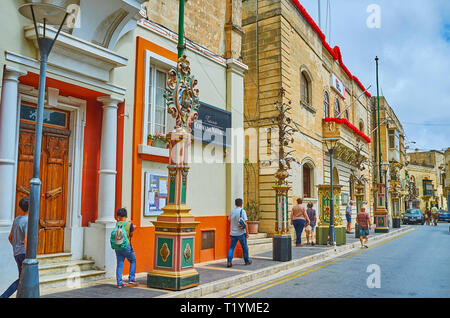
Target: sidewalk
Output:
{"points": [[216, 277]]}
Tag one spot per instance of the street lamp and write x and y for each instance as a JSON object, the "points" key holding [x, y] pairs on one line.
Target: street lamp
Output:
{"points": [[53, 15], [331, 143]]}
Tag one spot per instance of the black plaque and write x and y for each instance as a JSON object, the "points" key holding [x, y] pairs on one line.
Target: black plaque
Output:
{"points": [[213, 125]]}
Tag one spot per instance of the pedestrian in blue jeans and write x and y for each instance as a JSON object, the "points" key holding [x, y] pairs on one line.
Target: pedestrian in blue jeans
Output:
{"points": [[126, 253], [18, 240], [299, 219], [237, 234]]}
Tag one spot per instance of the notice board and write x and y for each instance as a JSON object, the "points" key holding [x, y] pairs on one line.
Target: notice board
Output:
{"points": [[155, 193]]}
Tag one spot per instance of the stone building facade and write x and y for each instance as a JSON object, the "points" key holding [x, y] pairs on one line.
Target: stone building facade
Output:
{"points": [[283, 47], [447, 178], [428, 172], [393, 157]]}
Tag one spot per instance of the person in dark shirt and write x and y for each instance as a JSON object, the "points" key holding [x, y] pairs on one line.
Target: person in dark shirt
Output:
{"points": [[312, 223]]}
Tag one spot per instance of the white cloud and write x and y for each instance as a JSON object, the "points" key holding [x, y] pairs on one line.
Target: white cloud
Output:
{"points": [[414, 49]]}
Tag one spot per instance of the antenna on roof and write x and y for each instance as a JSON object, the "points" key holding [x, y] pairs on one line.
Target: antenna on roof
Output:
{"points": [[328, 22], [320, 15]]}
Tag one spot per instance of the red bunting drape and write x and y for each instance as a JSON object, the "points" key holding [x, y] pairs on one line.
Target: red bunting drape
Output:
{"points": [[336, 52], [349, 125]]}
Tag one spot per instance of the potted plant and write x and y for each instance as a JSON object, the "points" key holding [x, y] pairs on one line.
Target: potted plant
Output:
{"points": [[157, 140], [253, 215]]}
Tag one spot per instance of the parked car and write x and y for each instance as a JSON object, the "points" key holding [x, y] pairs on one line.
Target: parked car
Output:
{"points": [[413, 216], [444, 216]]}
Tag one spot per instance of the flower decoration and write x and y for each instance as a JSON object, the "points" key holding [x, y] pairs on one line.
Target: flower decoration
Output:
{"points": [[158, 136]]}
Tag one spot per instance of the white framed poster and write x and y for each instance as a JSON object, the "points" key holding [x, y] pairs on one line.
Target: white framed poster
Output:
{"points": [[155, 193]]}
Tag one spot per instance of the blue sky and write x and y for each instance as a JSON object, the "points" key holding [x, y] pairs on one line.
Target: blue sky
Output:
{"points": [[413, 44]]}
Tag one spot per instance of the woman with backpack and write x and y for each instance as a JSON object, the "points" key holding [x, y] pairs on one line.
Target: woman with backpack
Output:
{"points": [[121, 243]]}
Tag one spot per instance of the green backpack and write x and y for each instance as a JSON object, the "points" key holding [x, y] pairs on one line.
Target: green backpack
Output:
{"points": [[119, 238]]}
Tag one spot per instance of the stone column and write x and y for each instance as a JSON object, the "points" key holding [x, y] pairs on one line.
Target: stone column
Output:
{"points": [[107, 172], [96, 242], [8, 130], [8, 148], [235, 154]]}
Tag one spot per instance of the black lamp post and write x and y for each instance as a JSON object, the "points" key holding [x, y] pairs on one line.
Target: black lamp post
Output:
{"points": [[331, 145], [53, 15]]}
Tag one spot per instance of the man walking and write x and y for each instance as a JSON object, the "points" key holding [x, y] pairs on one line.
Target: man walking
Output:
{"points": [[363, 221], [18, 240], [348, 215], [237, 233], [435, 213], [428, 216]]}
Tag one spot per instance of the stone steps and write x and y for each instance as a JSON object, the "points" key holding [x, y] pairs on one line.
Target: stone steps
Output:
{"points": [[259, 243], [58, 270]]}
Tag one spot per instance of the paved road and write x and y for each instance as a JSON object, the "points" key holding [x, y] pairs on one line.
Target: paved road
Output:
{"points": [[413, 265]]}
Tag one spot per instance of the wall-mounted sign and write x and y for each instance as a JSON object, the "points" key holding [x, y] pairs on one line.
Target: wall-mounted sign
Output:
{"points": [[155, 193], [211, 125], [337, 84]]}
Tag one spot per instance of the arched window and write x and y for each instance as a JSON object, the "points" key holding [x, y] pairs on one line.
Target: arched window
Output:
{"points": [[305, 89], [326, 105], [346, 115], [308, 181], [337, 108]]}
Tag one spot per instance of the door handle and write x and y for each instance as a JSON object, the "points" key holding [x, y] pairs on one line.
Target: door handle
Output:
{"points": [[52, 193], [23, 190]]}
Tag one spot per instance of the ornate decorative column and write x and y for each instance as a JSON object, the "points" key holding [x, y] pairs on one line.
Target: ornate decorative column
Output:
{"points": [[324, 215], [8, 130], [395, 193], [381, 213], [175, 227], [282, 240]]}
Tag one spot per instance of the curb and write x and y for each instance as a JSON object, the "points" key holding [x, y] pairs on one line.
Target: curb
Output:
{"points": [[227, 283]]}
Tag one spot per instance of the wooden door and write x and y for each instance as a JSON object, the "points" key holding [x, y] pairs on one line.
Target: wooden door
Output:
{"points": [[52, 217], [53, 175]]}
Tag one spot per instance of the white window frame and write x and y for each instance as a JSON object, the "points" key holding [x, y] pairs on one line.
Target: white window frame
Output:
{"points": [[163, 64]]}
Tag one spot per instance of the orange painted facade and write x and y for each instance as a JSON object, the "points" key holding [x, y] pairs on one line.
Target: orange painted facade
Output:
{"points": [[143, 239]]}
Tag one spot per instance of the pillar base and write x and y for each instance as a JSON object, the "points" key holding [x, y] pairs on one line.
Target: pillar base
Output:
{"points": [[29, 280], [396, 223], [322, 235], [97, 246], [381, 216], [282, 248], [173, 281]]}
